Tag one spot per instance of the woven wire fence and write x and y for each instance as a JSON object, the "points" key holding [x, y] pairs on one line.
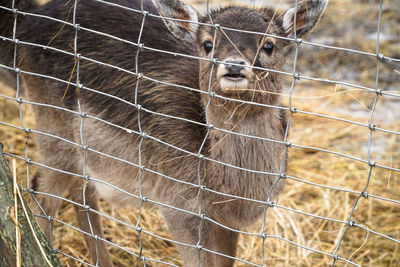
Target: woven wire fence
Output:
{"points": [[293, 76]]}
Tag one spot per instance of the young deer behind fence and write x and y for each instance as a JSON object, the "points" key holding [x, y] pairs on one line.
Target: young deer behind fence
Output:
{"points": [[147, 125]]}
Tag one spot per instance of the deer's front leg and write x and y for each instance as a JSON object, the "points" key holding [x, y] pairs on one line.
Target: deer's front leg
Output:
{"points": [[185, 229]]}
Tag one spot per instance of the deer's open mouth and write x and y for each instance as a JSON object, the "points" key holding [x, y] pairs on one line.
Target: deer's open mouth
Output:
{"points": [[233, 79], [234, 83], [234, 76]]}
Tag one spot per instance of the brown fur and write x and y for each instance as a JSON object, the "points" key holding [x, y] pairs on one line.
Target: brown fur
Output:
{"points": [[240, 151]]}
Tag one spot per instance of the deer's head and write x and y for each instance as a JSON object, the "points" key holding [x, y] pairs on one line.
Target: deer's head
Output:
{"points": [[240, 53]]}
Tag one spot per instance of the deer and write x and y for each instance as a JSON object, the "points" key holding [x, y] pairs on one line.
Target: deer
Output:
{"points": [[191, 117]]}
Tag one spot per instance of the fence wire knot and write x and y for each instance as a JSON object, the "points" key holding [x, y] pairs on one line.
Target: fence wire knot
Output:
{"points": [[298, 41], [371, 163], [143, 135], [372, 127], [263, 235], [212, 94]]}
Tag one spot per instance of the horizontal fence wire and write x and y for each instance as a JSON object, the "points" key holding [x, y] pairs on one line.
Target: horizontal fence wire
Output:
{"points": [[281, 175]]}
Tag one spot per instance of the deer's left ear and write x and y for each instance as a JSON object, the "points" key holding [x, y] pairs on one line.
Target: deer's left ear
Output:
{"points": [[176, 9], [307, 16]]}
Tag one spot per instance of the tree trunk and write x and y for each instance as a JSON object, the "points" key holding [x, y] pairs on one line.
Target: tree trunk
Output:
{"points": [[31, 254]]}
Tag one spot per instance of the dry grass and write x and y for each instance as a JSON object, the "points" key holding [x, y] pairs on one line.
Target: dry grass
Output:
{"points": [[341, 26]]}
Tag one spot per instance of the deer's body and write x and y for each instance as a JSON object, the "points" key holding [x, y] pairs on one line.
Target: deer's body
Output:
{"points": [[231, 149]]}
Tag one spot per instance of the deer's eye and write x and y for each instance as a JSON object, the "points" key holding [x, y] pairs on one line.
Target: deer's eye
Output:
{"points": [[208, 45], [268, 47]]}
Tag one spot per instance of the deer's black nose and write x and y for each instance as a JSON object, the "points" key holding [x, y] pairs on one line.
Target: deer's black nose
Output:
{"points": [[234, 69]]}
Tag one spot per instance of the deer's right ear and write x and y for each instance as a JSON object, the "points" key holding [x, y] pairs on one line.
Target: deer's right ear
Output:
{"points": [[176, 9], [308, 13]]}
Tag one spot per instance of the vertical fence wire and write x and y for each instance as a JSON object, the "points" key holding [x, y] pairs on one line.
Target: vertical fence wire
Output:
{"points": [[371, 164], [141, 257], [209, 127], [285, 138]]}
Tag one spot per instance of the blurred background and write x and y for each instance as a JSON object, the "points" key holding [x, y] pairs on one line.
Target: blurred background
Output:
{"points": [[348, 24]]}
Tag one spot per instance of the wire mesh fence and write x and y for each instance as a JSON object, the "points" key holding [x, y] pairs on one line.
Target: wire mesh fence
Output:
{"points": [[345, 173]]}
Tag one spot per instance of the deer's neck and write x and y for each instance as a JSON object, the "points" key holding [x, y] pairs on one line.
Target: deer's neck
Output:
{"points": [[245, 151]]}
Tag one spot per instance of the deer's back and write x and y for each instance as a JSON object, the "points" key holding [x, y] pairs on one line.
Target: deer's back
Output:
{"points": [[106, 78]]}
